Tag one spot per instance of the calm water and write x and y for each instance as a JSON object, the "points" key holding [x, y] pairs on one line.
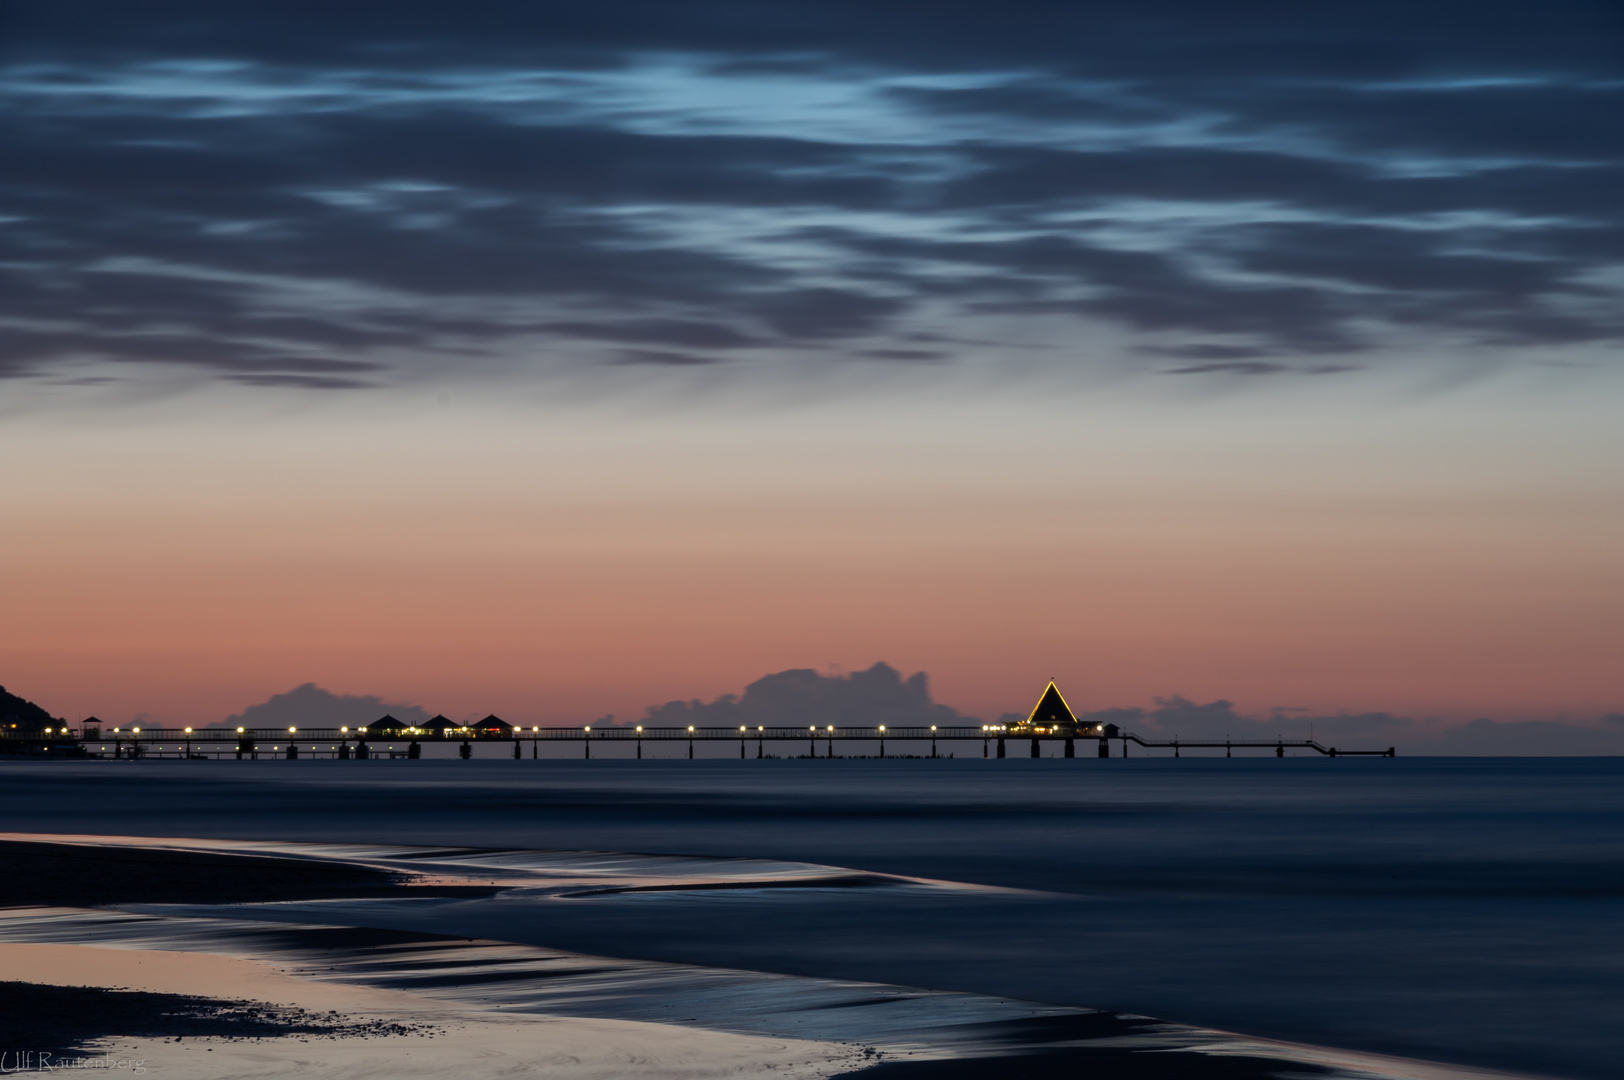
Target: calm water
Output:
{"points": [[1465, 910]]}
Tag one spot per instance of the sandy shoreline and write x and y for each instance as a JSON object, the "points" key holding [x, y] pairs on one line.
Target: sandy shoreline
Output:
{"points": [[438, 1039], [361, 1032]]}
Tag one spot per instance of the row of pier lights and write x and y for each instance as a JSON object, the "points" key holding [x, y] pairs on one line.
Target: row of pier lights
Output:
{"points": [[129, 742], [744, 735], [248, 744]]}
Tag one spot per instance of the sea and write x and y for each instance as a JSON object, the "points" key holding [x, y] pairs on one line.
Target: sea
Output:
{"points": [[1458, 910]]}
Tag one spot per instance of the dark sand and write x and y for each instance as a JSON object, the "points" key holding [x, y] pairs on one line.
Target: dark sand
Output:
{"points": [[59, 1020], [78, 875]]}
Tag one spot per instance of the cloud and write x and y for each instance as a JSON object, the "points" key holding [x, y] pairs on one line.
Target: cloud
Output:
{"points": [[801, 697], [1218, 720], [311, 706], [1531, 738], [260, 195], [661, 358]]}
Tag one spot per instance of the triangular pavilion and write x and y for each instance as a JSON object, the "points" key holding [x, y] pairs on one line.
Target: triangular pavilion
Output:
{"points": [[1051, 711]]}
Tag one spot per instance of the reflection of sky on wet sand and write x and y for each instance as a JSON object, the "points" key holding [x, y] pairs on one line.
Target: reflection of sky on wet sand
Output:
{"points": [[464, 1039], [539, 873], [466, 982]]}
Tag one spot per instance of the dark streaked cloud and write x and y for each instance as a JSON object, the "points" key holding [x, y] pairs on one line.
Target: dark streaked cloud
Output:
{"points": [[334, 199], [661, 358]]}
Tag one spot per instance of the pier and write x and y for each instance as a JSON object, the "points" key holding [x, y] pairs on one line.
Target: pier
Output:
{"points": [[992, 741], [1050, 722]]}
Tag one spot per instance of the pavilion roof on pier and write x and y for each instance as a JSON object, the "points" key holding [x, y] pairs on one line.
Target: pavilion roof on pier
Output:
{"points": [[1051, 708]]}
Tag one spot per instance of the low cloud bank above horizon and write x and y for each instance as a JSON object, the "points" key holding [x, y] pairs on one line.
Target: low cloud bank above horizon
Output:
{"points": [[279, 197], [801, 697], [311, 706], [1178, 716]]}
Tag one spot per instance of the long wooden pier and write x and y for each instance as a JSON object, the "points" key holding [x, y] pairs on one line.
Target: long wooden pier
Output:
{"points": [[807, 742]]}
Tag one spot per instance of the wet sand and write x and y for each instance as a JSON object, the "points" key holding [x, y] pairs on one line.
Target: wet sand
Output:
{"points": [[197, 1016], [39, 872], [400, 1001]]}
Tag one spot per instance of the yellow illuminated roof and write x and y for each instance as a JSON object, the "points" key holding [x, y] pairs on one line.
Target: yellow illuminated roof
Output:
{"points": [[1052, 708]]}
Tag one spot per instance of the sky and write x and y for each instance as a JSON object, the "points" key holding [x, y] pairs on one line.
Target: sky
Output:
{"points": [[560, 363]]}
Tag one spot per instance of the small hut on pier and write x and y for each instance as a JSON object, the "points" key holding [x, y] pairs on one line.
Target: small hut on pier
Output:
{"points": [[494, 727], [382, 727], [439, 728]]}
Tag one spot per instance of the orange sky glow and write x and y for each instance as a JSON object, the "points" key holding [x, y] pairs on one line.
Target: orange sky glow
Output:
{"points": [[1419, 557]]}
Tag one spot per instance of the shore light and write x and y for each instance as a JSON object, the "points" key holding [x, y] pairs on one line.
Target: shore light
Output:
{"points": [[882, 727], [639, 727], [188, 731], [741, 727], [343, 731], [589, 727], [239, 730], [136, 730], [813, 727], [291, 730], [760, 728], [690, 727], [831, 727], [933, 727]]}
